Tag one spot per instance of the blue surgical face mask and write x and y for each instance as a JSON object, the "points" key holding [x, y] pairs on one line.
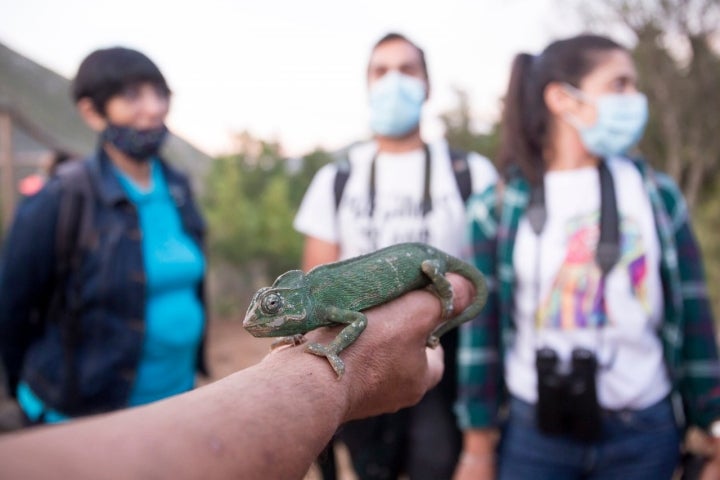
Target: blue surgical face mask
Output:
{"points": [[396, 101], [139, 145], [620, 123]]}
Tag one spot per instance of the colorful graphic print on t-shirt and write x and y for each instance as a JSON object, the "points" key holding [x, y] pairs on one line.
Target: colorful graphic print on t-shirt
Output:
{"points": [[576, 298]]}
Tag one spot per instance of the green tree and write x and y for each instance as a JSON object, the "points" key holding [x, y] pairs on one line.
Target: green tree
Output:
{"points": [[461, 133], [250, 202], [249, 209]]}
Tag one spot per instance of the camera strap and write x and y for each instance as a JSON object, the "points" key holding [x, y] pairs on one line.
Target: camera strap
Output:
{"points": [[607, 252], [426, 200]]}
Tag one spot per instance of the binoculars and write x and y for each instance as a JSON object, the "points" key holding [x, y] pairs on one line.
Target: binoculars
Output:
{"points": [[567, 402]]}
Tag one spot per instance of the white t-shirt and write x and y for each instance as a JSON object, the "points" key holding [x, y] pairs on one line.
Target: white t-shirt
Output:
{"points": [[399, 192], [564, 282]]}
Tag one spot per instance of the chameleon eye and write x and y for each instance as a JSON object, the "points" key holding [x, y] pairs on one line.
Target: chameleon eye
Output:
{"points": [[272, 303]]}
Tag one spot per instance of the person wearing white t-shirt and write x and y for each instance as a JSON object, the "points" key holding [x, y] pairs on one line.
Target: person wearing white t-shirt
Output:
{"points": [[399, 189], [597, 345]]}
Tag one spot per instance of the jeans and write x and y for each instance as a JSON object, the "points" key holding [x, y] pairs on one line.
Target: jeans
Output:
{"points": [[634, 445]]}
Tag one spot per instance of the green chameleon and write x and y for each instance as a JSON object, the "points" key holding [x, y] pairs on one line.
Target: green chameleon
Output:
{"points": [[336, 293]]}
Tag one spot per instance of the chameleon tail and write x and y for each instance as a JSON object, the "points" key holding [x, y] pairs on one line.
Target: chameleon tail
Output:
{"points": [[468, 271]]}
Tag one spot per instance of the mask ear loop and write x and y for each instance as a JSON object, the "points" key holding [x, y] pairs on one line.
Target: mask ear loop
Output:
{"points": [[580, 96]]}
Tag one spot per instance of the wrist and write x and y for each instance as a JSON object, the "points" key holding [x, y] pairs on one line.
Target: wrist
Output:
{"points": [[480, 441], [473, 459], [311, 377]]}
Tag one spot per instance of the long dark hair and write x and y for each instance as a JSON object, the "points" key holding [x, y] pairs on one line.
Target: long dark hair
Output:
{"points": [[525, 117]]}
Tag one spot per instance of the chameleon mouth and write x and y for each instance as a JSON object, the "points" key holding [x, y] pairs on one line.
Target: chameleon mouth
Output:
{"points": [[274, 327], [250, 322], [259, 331], [256, 329]]}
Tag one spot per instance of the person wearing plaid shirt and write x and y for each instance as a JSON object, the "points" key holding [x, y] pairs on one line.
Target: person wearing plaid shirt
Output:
{"points": [[647, 322]]}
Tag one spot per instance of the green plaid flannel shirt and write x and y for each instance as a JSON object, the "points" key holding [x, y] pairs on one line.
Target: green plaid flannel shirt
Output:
{"points": [[687, 332]]}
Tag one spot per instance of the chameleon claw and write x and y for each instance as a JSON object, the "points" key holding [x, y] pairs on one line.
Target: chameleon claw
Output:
{"points": [[322, 351], [293, 340], [447, 307]]}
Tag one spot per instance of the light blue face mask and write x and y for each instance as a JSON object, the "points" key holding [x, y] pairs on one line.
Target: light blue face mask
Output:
{"points": [[396, 101], [621, 120]]}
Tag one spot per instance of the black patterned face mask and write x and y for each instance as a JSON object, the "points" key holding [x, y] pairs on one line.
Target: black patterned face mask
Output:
{"points": [[139, 145]]}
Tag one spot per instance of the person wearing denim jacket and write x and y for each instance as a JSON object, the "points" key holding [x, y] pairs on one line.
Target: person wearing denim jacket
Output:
{"points": [[137, 328]]}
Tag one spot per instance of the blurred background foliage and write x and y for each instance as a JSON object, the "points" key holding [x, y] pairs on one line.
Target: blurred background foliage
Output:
{"points": [[252, 194]]}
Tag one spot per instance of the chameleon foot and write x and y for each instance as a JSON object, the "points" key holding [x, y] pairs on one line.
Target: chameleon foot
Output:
{"points": [[332, 357], [293, 340], [433, 341]]}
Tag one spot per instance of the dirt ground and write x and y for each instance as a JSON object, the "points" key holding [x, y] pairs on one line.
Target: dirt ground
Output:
{"points": [[231, 348]]}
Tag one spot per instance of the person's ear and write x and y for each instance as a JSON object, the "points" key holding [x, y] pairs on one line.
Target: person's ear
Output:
{"points": [[94, 119], [558, 100]]}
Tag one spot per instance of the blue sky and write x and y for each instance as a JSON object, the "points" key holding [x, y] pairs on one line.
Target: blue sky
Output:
{"points": [[290, 70]]}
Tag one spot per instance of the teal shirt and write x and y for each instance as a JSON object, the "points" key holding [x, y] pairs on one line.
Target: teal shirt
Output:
{"points": [[174, 316]]}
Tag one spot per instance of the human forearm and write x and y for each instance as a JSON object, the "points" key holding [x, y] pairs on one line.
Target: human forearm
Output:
{"points": [[268, 421], [477, 459], [224, 430]]}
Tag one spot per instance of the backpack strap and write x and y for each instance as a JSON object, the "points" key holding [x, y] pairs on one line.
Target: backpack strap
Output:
{"points": [[461, 169], [74, 219], [458, 161], [341, 178], [72, 236]]}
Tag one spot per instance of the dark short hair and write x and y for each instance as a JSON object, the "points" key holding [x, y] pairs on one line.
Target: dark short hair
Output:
{"points": [[107, 72], [393, 36]]}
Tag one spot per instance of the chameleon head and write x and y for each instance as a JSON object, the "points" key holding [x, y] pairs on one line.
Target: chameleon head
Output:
{"points": [[277, 311]]}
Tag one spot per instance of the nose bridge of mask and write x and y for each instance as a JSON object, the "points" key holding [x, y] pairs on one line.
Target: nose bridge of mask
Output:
{"points": [[388, 83], [397, 83]]}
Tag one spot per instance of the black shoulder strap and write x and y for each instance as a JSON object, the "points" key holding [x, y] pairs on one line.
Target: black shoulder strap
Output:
{"points": [[461, 169], [458, 160], [74, 219], [72, 235], [608, 248], [341, 178]]}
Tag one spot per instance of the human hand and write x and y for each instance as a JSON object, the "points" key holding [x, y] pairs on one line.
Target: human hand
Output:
{"points": [[389, 366], [711, 469]]}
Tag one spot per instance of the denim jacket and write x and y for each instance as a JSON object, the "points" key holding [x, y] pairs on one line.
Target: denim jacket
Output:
{"points": [[110, 287]]}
